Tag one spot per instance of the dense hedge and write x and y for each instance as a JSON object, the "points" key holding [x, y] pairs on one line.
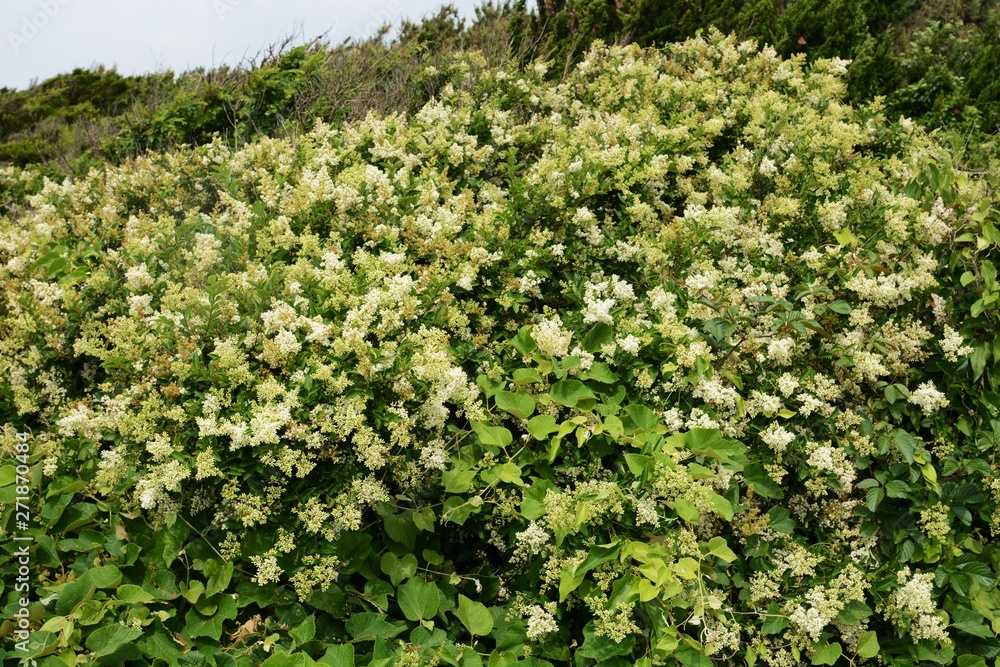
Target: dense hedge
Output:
{"points": [[682, 358]]}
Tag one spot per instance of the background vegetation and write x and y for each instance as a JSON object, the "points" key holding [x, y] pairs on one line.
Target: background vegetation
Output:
{"points": [[933, 62]]}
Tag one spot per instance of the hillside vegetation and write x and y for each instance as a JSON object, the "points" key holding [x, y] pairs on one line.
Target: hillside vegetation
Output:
{"points": [[676, 355], [933, 62]]}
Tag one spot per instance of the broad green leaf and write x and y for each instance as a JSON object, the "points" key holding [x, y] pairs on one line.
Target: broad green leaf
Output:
{"points": [[762, 483], [304, 631], [418, 599], [82, 589], [602, 648], [200, 625], [686, 510], [569, 392], [133, 594], [219, 575], [599, 371], [523, 341], [827, 654], [722, 506], [854, 612], [717, 546], [640, 418], [340, 655], [474, 616], [519, 404], [686, 568], [496, 436], [399, 568], [781, 520], [299, 659], [423, 519], [109, 637], [599, 554], [369, 625], [906, 444], [868, 645], [841, 307], [458, 480], [540, 426]]}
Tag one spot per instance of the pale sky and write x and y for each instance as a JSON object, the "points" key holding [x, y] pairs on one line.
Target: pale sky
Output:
{"points": [[41, 38]]}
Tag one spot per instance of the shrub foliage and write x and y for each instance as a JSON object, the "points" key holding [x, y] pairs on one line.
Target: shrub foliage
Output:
{"points": [[681, 358]]}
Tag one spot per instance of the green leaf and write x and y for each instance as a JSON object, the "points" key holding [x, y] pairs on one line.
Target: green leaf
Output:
{"points": [[718, 547], [474, 616], [841, 307], [781, 520], [423, 520], [458, 480], [598, 337], [601, 648], [686, 568], [369, 625], [761, 482], [686, 510], [774, 621], [569, 581], [219, 575], [83, 588], [299, 659], [541, 426], [523, 376], [569, 392], [690, 657], [519, 404], [640, 418], [827, 654], [399, 527], [133, 594], [598, 555], [304, 631], [978, 360], [418, 599], [399, 568], [200, 625], [854, 612], [523, 341], [722, 505], [599, 371], [868, 645], [897, 488], [495, 436], [457, 510], [906, 444], [109, 637], [341, 655]]}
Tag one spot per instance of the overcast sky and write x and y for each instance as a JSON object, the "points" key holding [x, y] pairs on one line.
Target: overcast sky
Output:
{"points": [[41, 38]]}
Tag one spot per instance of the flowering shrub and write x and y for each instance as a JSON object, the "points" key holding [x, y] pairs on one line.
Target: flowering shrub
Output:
{"points": [[665, 362]]}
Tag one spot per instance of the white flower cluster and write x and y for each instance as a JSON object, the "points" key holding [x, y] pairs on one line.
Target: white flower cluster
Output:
{"points": [[912, 606], [928, 398], [550, 336], [953, 345], [541, 622]]}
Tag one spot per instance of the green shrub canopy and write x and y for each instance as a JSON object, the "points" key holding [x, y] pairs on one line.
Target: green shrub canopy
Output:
{"points": [[670, 360]]}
